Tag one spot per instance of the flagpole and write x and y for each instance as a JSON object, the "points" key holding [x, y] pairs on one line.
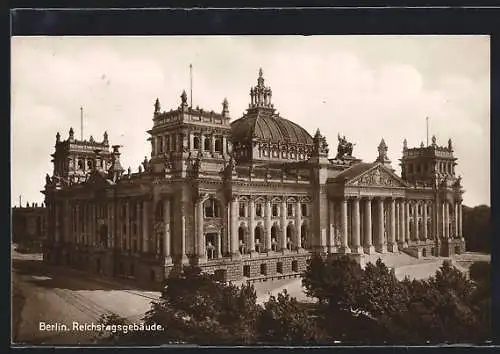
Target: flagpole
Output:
{"points": [[427, 127], [191, 84], [81, 123]]}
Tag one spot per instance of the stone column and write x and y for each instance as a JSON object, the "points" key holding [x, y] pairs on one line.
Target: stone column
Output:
{"points": [[212, 144], [298, 224], [57, 225], [415, 235], [200, 237], [407, 221], [356, 237], [184, 258], [455, 231], [380, 245], [267, 222], [402, 223], [167, 252], [332, 248], [368, 242], [235, 252], [145, 227], [218, 245], [460, 234], [447, 219], [202, 142], [251, 227], [127, 223], [283, 225], [343, 223], [424, 223], [224, 145], [391, 244]]}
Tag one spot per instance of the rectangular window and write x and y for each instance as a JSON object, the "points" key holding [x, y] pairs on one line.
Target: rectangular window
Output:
{"points": [[303, 208], [242, 210], [258, 210], [289, 209], [275, 209]]}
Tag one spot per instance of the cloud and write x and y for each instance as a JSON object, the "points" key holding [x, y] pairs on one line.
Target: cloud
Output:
{"points": [[363, 87]]}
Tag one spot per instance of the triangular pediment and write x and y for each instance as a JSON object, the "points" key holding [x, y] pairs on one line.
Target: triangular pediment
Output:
{"points": [[377, 176]]}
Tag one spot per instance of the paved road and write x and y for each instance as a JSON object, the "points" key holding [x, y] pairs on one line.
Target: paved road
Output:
{"points": [[61, 296]]}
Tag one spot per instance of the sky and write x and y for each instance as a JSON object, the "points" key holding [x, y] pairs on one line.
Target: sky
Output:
{"points": [[364, 87]]}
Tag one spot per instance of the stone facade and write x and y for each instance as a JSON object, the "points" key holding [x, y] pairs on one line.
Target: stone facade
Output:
{"points": [[251, 199], [29, 224]]}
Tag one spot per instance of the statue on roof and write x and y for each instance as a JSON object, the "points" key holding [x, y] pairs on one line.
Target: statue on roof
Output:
{"points": [[47, 179], [344, 148], [157, 106]]}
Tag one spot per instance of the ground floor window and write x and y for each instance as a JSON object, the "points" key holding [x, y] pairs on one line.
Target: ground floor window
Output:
{"points": [[246, 271], [279, 267], [295, 266], [263, 269]]}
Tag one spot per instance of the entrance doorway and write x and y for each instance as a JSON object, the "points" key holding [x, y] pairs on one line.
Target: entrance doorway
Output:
{"points": [[211, 245]]}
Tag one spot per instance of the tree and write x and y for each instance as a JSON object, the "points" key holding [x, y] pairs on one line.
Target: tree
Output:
{"points": [[197, 308], [283, 320], [477, 228], [333, 280], [379, 291]]}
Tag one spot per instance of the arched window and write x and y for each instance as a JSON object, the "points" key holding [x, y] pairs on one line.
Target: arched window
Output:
{"points": [[206, 147], [218, 144], [196, 143], [241, 240], [211, 208], [304, 236], [289, 236], [81, 164], [258, 239], [274, 238]]}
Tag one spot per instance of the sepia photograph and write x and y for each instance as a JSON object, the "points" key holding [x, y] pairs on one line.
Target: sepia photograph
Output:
{"points": [[244, 190]]}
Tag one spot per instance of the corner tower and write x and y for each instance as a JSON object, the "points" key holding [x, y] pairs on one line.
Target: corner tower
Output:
{"points": [[74, 159], [428, 165], [184, 138]]}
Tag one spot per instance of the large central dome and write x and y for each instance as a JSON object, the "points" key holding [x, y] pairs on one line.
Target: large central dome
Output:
{"points": [[270, 128], [262, 123]]}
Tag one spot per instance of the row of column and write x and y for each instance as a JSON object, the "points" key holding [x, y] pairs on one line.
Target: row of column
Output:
{"points": [[233, 218], [175, 142], [389, 227]]}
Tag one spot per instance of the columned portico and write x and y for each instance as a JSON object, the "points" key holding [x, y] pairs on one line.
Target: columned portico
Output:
{"points": [[251, 227], [425, 223], [166, 233], [145, 229], [283, 226], [268, 225], [391, 242], [402, 224], [200, 236], [343, 226], [332, 247], [407, 221], [368, 240], [356, 241], [298, 224], [380, 245], [235, 252], [415, 235]]}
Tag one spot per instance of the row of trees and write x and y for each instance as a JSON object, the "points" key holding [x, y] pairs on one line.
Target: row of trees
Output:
{"points": [[476, 226], [355, 306]]}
